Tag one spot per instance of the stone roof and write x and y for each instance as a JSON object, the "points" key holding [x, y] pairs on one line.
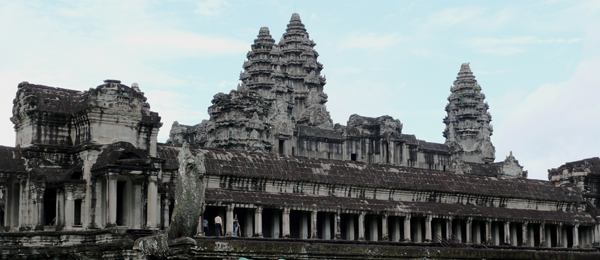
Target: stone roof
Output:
{"points": [[318, 132], [590, 166], [272, 166], [123, 155], [434, 146], [333, 203], [11, 160]]}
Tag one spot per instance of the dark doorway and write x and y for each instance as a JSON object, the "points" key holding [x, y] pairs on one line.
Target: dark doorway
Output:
{"points": [[77, 217], [281, 146], [120, 204], [50, 206]]}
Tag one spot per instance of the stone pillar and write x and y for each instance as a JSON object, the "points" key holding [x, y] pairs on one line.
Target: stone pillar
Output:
{"points": [[374, 234], [112, 200], [576, 236], [229, 221], [507, 233], [543, 234], [396, 233], [407, 231], [350, 228], [258, 222], [166, 217], [326, 226], [361, 226], [304, 226], [100, 212], [428, 220], [596, 232], [458, 230], [525, 238], [513, 235], [497, 238], [151, 218], [138, 220], [313, 226], [275, 227], [469, 231], [559, 235], [249, 231], [384, 228], [336, 226], [418, 237], [488, 231], [477, 233], [286, 222], [70, 208], [449, 229]]}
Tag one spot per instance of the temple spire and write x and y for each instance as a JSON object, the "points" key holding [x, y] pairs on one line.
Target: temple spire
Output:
{"points": [[468, 128]]}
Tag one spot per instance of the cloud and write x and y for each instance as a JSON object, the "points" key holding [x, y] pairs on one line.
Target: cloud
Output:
{"points": [[211, 7], [452, 16], [370, 41], [510, 46], [556, 123]]}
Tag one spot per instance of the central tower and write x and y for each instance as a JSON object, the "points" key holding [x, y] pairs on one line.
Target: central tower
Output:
{"points": [[468, 128]]}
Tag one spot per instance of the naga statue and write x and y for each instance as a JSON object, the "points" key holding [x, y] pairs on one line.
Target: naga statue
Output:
{"points": [[189, 205]]}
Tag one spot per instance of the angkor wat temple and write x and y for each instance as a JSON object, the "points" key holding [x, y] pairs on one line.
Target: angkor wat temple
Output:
{"points": [[87, 176]]}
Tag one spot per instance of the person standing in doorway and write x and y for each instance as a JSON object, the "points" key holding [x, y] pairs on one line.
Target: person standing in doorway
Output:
{"points": [[218, 223], [205, 226], [236, 226]]}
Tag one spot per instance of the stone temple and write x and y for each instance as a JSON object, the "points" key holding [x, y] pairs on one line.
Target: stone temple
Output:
{"points": [[87, 177]]}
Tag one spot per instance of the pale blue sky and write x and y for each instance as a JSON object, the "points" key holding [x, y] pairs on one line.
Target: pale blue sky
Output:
{"points": [[538, 62]]}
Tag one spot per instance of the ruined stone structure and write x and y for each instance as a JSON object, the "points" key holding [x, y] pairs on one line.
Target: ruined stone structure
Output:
{"points": [[87, 177]]}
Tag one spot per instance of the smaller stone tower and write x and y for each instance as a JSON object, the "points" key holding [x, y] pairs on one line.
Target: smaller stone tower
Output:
{"points": [[468, 128]]}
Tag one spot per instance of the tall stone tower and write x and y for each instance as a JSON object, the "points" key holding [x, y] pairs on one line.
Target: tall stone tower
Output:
{"points": [[281, 86], [468, 128]]}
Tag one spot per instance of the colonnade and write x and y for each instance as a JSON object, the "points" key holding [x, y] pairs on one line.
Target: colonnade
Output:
{"points": [[306, 223]]}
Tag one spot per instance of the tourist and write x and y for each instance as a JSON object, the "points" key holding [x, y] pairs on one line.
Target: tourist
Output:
{"points": [[205, 226], [236, 225], [218, 227]]}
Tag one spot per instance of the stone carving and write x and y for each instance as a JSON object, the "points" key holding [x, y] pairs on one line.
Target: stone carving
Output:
{"points": [[511, 168], [189, 204], [468, 128]]}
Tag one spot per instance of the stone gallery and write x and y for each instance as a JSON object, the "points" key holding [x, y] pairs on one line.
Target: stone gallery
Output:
{"points": [[87, 178]]}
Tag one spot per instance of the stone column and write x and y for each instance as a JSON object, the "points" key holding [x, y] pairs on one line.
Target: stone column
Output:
{"points": [[275, 226], [477, 233], [428, 220], [513, 235], [407, 231], [304, 226], [469, 230], [70, 208], [229, 221], [488, 231], [138, 220], [525, 238], [361, 226], [249, 231], [313, 226], [543, 234], [166, 216], [350, 228], [458, 230], [374, 235], [151, 218], [576, 236], [449, 229], [112, 200], [396, 235], [286, 222], [258, 222], [384, 228], [596, 232], [326, 226], [336, 226], [559, 235], [507, 233], [418, 231], [39, 199]]}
